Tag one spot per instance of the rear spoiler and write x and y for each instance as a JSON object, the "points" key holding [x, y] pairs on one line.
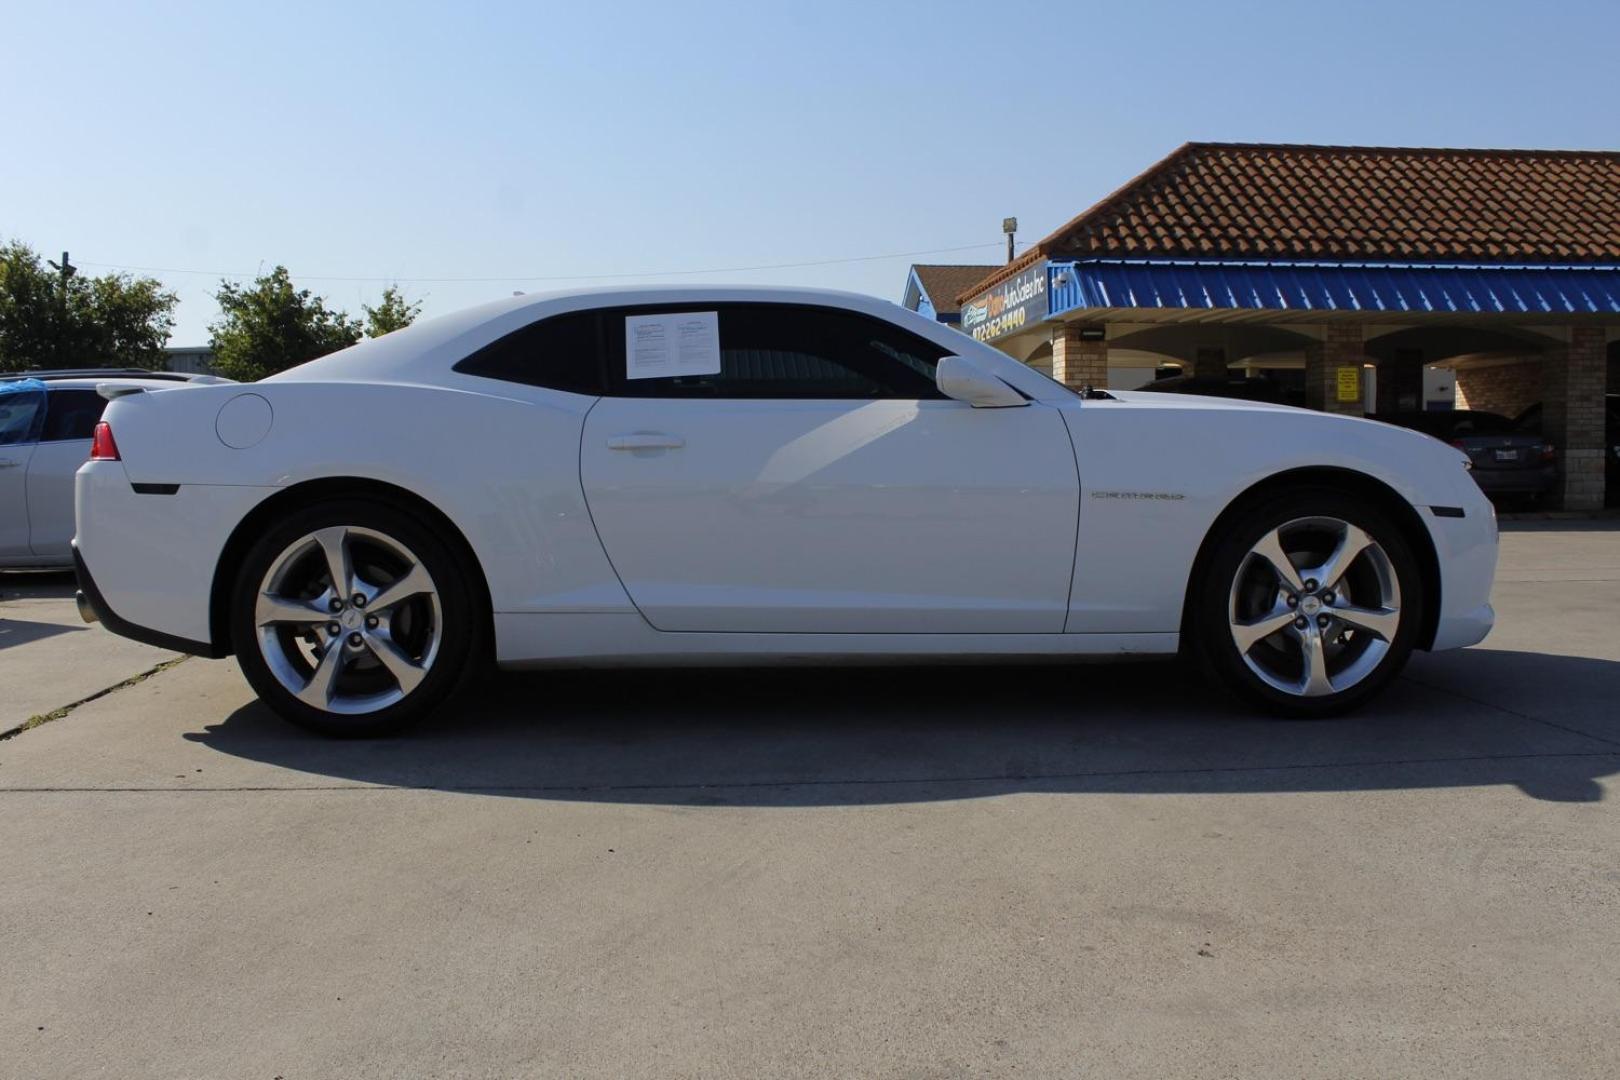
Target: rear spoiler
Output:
{"points": [[113, 390]]}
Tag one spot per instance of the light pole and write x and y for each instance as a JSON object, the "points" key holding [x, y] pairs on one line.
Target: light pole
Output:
{"points": [[67, 270]]}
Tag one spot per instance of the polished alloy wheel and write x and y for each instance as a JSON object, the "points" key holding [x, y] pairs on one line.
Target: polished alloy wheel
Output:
{"points": [[1315, 606], [348, 620]]}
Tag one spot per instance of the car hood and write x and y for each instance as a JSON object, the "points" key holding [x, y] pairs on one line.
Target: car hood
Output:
{"points": [[1199, 402], [1306, 427]]}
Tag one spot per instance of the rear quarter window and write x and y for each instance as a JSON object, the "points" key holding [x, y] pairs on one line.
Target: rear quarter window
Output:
{"points": [[560, 353], [72, 414]]}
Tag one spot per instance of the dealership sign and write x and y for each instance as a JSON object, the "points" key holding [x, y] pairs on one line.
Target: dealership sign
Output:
{"points": [[1008, 307]]}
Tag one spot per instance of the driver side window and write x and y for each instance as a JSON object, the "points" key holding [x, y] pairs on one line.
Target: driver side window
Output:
{"points": [[787, 352], [18, 412]]}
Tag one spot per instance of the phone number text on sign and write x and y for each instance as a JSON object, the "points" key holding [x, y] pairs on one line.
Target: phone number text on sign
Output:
{"points": [[1009, 306]]}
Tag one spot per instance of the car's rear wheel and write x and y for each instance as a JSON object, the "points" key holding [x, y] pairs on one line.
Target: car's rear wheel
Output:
{"points": [[351, 618], [1310, 604]]}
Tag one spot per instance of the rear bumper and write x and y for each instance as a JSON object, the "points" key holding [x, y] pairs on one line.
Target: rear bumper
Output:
{"points": [[151, 560], [93, 607]]}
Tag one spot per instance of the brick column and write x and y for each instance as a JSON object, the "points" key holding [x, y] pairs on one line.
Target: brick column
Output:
{"points": [[1572, 385], [1341, 347], [1078, 363]]}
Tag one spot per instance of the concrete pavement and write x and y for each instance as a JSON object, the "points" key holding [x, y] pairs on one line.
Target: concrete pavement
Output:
{"points": [[49, 657], [1045, 871]]}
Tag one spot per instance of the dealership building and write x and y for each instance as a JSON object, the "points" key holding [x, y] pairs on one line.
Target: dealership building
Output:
{"points": [[1362, 279]]}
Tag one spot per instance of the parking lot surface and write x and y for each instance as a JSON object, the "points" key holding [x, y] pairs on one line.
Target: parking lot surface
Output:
{"points": [[936, 871], [49, 657]]}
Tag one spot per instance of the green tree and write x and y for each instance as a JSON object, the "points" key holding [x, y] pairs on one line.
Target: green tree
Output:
{"points": [[123, 321], [391, 313], [270, 326], [110, 321]]}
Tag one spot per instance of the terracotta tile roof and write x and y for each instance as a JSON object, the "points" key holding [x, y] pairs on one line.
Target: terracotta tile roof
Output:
{"points": [[944, 283], [1353, 203]]}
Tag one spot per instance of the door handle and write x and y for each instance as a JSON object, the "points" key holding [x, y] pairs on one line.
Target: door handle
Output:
{"points": [[7, 463], [646, 440]]}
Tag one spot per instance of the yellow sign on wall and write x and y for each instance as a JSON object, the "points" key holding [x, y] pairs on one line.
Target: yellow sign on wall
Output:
{"points": [[1349, 384]]}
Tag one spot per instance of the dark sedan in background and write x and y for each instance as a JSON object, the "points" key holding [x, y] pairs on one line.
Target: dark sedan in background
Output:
{"points": [[1507, 461]]}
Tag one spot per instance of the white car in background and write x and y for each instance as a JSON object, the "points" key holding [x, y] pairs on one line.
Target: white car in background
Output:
{"points": [[46, 421], [728, 475]]}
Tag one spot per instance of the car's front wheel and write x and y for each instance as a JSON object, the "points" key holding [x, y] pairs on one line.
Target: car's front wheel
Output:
{"points": [[1310, 604], [352, 618]]}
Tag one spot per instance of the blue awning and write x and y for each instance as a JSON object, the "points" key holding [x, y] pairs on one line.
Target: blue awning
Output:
{"points": [[1283, 286]]}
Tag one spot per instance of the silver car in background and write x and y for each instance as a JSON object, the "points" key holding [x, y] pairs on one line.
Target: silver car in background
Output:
{"points": [[47, 421]]}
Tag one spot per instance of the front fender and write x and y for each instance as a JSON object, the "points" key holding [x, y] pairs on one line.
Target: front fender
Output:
{"points": [[1155, 477]]}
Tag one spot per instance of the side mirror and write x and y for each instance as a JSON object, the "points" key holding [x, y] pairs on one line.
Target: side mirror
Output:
{"points": [[960, 378]]}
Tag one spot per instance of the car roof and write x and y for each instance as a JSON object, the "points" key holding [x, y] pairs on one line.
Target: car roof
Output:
{"points": [[426, 348]]}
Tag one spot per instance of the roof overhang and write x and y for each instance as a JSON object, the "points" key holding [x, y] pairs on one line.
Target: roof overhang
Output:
{"points": [[1147, 290]]}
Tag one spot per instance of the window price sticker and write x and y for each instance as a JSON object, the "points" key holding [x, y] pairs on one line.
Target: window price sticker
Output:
{"points": [[666, 346]]}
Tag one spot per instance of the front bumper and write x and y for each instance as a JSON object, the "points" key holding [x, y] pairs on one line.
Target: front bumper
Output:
{"points": [[1466, 549], [1467, 628]]}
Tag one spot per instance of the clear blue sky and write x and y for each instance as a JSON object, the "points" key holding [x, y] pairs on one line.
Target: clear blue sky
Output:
{"points": [[563, 140]]}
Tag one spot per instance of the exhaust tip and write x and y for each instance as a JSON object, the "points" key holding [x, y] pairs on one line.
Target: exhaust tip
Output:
{"points": [[86, 612]]}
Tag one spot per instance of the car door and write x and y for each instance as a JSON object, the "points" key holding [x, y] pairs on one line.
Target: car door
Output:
{"points": [[20, 413], [64, 445], [820, 483]]}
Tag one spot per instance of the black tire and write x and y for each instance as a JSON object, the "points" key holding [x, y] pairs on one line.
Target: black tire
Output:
{"points": [[462, 621], [1212, 598]]}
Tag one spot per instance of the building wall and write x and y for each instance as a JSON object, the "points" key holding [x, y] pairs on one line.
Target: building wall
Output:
{"points": [[190, 361], [1041, 359], [1507, 388]]}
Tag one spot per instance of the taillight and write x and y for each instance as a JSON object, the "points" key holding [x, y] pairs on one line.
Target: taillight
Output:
{"points": [[102, 446], [1460, 445], [1548, 453]]}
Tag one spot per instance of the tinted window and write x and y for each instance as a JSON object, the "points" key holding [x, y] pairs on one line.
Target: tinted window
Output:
{"points": [[560, 353], [72, 414], [18, 411], [784, 351]]}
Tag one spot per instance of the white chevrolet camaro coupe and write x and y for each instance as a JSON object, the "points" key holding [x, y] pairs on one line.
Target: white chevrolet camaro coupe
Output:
{"points": [[736, 475]]}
